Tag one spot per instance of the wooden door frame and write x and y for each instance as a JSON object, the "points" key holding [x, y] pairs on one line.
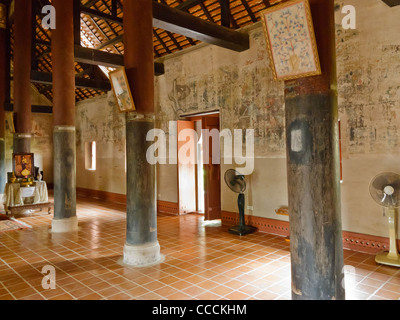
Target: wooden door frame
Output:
{"points": [[200, 117]]}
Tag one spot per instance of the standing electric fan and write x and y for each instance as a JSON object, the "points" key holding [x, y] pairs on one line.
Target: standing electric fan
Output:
{"points": [[385, 190], [237, 183]]}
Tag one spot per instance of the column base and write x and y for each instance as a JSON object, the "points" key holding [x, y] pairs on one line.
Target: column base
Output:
{"points": [[64, 225], [142, 255]]}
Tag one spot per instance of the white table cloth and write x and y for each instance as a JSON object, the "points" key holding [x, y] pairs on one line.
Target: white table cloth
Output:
{"points": [[14, 195], [41, 195]]}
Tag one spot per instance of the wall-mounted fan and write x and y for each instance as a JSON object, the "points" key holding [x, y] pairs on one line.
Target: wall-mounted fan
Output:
{"points": [[237, 183], [385, 190]]}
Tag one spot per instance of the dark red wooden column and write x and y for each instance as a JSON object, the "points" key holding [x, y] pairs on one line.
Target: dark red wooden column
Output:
{"points": [[142, 247], [3, 92], [314, 171], [65, 219], [22, 74]]}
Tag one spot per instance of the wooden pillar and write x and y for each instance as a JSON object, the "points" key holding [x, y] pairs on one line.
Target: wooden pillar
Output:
{"points": [[77, 22], [313, 171], [65, 219], [3, 92], [22, 74], [142, 247]]}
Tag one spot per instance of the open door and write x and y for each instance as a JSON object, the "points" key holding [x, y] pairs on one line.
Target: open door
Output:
{"points": [[187, 169], [212, 173]]}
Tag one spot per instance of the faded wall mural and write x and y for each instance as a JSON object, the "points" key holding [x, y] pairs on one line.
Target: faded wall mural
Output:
{"points": [[240, 85], [368, 61]]}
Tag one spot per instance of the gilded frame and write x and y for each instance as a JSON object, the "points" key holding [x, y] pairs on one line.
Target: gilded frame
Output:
{"points": [[122, 91], [3, 16], [279, 56], [22, 162]]}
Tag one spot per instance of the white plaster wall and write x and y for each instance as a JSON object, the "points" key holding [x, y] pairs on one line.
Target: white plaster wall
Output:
{"points": [[359, 212], [99, 120], [167, 183], [368, 60], [266, 189]]}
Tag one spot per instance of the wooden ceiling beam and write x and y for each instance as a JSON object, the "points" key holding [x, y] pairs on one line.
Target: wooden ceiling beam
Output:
{"points": [[179, 22], [47, 79], [103, 58], [225, 13], [110, 42], [392, 3], [35, 108]]}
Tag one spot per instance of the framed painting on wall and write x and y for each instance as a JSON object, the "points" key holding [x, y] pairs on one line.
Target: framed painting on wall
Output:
{"points": [[122, 91], [291, 40], [23, 165]]}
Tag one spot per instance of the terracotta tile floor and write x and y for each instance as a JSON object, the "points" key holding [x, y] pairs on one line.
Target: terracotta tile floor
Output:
{"points": [[203, 261]]}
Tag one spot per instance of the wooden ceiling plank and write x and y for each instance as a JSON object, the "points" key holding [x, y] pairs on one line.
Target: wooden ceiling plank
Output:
{"points": [[161, 42]]}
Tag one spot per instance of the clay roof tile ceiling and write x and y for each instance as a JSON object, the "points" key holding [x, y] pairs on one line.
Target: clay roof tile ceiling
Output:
{"points": [[106, 35]]}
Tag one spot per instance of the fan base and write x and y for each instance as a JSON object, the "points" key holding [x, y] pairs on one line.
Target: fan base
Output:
{"points": [[242, 230], [384, 258]]}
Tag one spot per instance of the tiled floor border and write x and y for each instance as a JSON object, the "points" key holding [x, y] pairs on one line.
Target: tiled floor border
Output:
{"points": [[351, 240]]}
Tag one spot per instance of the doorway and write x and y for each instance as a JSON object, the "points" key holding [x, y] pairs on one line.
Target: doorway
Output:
{"points": [[199, 180]]}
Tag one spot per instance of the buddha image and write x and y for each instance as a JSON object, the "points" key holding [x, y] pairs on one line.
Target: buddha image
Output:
{"points": [[23, 166]]}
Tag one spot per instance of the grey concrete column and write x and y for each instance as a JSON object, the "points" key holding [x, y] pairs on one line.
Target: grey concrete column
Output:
{"points": [[313, 168], [314, 198], [142, 247], [22, 142], [65, 219]]}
